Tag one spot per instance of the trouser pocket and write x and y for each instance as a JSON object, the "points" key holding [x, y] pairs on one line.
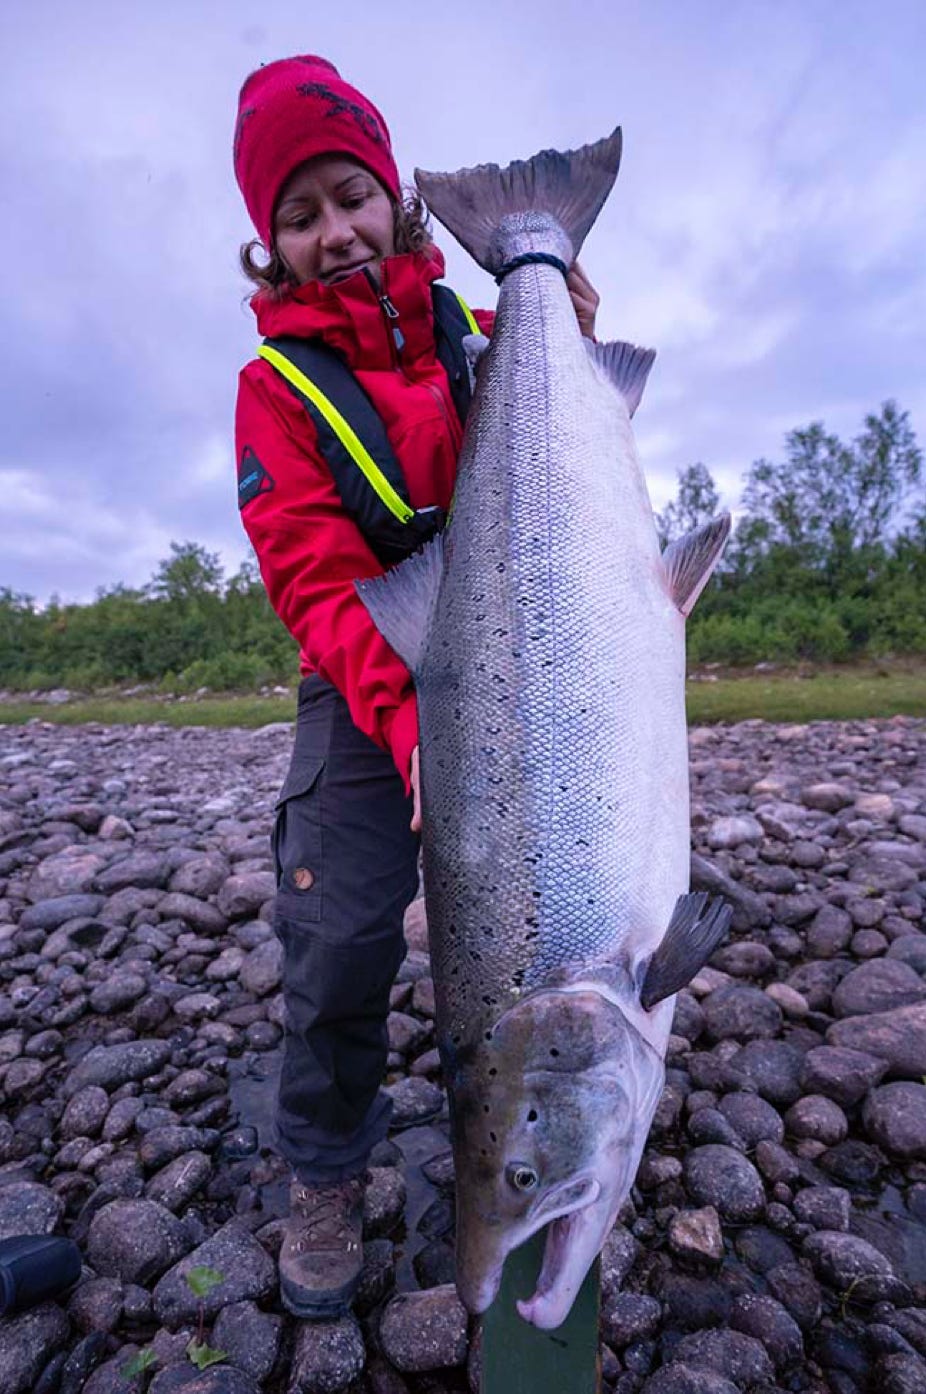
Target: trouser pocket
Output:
{"points": [[298, 841]]}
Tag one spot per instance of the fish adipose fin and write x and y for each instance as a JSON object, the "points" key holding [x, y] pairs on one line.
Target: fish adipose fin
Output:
{"points": [[624, 365], [697, 926], [401, 601], [690, 561], [571, 186]]}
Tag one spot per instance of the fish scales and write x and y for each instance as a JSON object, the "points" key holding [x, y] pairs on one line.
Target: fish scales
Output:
{"points": [[546, 638], [550, 691]]}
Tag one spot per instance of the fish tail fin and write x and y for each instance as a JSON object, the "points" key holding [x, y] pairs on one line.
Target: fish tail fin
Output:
{"points": [[568, 186], [624, 365]]}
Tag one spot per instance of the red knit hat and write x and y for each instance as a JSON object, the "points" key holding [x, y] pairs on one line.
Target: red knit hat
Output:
{"points": [[293, 109]]}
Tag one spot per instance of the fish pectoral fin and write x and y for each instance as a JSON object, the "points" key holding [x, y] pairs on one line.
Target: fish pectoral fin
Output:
{"points": [[401, 601], [690, 561], [697, 926], [625, 366]]}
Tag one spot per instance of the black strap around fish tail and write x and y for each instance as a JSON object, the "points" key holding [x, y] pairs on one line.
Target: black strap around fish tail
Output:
{"points": [[531, 259]]}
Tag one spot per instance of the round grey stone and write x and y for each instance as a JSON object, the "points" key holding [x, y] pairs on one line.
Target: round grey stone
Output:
{"points": [[250, 1337], [262, 970], [843, 1075], [845, 1261], [769, 1322], [135, 1240], [27, 1342], [85, 1112], [117, 993], [895, 1116], [628, 1317], [817, 1117], [423, 1331], [27, 1208], [738, 1357], [112, 1066], [679, 1378], [248, 1273], [880, 985], [740, 1012], [328, 1356], [753, 1119], [722, 1177], [898, 1036], [773, 1068]]}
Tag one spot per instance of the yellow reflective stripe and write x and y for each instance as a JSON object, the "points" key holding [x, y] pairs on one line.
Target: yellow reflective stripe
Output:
{"points": [[470, 317], [344, 432]]}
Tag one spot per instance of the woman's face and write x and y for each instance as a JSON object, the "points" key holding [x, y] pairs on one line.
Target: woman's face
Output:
{"points": [[333, 218]]}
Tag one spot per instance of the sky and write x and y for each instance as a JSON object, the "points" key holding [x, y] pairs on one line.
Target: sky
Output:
{"points": [[766, 233]]}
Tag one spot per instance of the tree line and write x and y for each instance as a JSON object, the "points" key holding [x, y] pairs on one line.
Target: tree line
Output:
{"points": [[827, 562]]}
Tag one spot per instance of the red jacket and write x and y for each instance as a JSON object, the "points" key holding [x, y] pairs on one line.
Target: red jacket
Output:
{"points": [[309, 550]]}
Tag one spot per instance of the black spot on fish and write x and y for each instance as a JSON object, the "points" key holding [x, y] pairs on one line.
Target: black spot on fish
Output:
{"points": [[532, 1116]]}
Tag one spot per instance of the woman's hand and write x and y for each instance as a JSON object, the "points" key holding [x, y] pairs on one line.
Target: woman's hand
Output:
{"points": [[584, 298], [415, 779]]}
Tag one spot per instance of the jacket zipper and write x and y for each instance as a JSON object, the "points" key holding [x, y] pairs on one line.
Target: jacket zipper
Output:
{"points": [[398, 341]]}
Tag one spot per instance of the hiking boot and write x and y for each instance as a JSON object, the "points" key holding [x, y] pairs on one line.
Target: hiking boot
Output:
{"points": [[322, 1251]]}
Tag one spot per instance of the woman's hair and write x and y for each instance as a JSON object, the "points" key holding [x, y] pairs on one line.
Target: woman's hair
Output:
{"points": [[411, 234]]}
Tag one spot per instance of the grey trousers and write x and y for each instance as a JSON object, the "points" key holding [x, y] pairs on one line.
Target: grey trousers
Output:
{"points": [[347, 869]]}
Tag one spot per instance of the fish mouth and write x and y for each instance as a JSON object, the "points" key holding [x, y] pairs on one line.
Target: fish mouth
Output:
{"points": [[569, 1239], [573, 1240]]}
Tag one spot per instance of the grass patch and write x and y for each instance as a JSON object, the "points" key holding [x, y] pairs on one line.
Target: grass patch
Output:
{"points": [[836, 693]]}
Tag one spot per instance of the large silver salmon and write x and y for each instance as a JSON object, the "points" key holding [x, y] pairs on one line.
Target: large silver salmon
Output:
{"points": [[546, 636]]}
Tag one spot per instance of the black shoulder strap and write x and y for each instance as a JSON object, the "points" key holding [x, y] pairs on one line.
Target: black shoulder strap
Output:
{"points": [[369, 480], [451, 327]]}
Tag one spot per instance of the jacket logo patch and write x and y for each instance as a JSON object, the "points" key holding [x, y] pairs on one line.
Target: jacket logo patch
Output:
{"points": [[253, 479]]}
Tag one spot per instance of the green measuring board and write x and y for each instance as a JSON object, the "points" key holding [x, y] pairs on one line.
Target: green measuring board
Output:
{"points": [[519, 1359]]}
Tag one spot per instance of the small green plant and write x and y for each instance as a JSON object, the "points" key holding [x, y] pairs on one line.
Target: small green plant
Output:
{"points": [[203, 1356], [201, 1280], [140, 1363]]}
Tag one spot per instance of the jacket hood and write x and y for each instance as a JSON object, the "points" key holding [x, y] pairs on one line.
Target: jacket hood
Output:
{"points": [[350, 316]]}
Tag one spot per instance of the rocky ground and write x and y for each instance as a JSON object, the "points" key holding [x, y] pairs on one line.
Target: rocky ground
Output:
{"points": [[776, 1238]]}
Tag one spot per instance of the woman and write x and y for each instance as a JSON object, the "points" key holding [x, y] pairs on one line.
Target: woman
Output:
{"points": [[342, 258]]}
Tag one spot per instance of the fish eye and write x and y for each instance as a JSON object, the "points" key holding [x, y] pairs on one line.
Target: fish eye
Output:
{"points": [[521, 1176]]}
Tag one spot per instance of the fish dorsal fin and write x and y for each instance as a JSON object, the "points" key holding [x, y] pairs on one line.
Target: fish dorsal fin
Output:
{"points": [[624, 365], [690, 560], [401, 601], [697, 926]]}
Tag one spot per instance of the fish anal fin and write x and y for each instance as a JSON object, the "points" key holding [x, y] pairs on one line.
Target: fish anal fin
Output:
{"points": [[624, 365], [697, 926], [401, 601], [690, 561]]}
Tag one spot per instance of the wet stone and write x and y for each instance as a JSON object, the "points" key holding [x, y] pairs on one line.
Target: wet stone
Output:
{"points": [[111, 1066], [383, 1201], [414, 1101], [843, 1260], [817, 1117], [693, 1303], [175, 1184], [824, 1207], [797, 1291], [422, 1331]]}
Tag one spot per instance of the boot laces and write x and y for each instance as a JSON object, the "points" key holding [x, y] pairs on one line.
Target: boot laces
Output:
{"points": [[327, 1211]]}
